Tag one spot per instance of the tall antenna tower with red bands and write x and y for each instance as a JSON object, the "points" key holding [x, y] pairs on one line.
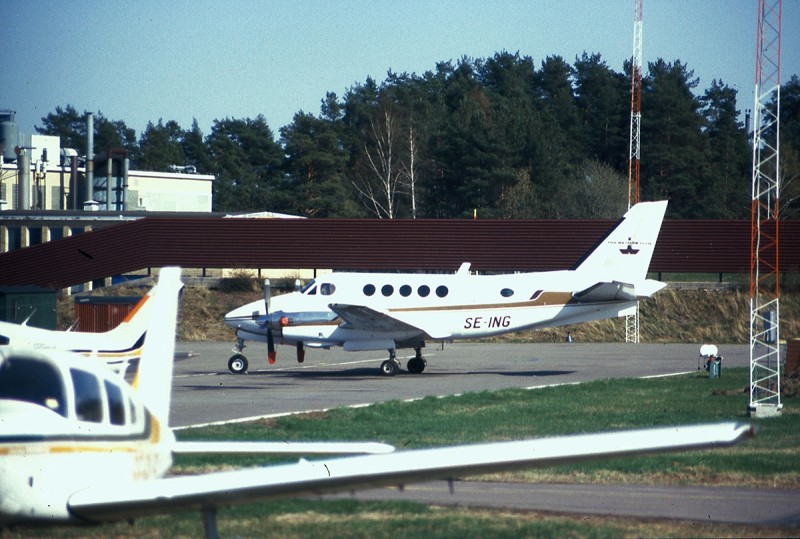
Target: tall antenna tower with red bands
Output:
{"points": [[632, 320], [765, 360], [636, 106]]}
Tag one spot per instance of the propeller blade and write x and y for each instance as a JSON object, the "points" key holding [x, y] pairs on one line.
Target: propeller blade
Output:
{"points": [[271, 355]]}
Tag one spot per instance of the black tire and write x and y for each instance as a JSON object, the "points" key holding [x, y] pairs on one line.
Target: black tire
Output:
{"points": [[416, 365], [389, 368], [237, 364]]}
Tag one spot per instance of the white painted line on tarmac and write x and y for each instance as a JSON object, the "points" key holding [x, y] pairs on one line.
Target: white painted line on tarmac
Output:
{"points": [[367, 404], [666, 375]]}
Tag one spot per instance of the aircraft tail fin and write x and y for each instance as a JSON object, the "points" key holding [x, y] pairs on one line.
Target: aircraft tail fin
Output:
{"points": [[624, 254], [133, 326], [154, 378]]}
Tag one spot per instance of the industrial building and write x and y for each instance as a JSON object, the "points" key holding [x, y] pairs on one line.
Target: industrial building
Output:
{"points": [[48, 192]]}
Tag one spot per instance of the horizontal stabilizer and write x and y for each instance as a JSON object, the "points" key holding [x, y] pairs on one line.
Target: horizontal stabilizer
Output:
{"points": [[649, 287], [602, 292]]}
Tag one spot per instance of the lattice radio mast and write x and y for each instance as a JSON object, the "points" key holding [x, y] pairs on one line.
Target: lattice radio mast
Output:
{"points": [[632, 320], [765, 368]]}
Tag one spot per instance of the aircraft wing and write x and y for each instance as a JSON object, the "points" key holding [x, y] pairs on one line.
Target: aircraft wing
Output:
{"points": [[368, 319], [281, 448], [203, 492]]}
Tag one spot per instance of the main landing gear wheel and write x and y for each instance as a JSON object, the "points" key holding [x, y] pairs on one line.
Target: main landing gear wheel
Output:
{"points": [[416, 365], [237, 364]]}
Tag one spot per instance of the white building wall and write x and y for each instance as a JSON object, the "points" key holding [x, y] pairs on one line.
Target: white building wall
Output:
{"points": [[149, 191]]}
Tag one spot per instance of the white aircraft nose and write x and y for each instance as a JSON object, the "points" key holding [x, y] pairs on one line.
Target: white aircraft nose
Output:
{"points": [[245, 313]]}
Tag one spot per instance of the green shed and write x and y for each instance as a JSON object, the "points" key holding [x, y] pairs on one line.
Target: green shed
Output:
{"points": [[20, 302]]}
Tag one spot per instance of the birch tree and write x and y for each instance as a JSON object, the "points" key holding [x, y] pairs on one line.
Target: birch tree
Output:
{"points": [[383, 179]]}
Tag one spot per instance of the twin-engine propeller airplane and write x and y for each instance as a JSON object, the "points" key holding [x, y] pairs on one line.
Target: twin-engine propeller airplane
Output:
{"points": [[80, 446], [117, 348], [388, 311]]}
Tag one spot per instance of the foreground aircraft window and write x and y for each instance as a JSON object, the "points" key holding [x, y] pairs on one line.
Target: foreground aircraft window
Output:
{"points": [[326, 289], [369, 289], [33, 381], [4, 340], [506, 292], [88, 403], [387, 290], [424, 290], [405, 290], [132, 408], [441, 291], [116, 403], [308, 285]]}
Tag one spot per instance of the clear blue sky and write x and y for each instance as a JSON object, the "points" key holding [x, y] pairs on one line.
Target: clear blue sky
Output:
{"points": [[139, 61]]}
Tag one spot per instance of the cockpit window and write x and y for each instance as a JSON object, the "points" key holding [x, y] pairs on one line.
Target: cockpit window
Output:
{"points": [[88, 401], [326, 289], [31, 380], [308, 285], [116, 403], [4, 340]]}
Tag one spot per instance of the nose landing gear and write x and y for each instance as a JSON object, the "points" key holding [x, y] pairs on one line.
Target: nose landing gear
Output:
{"points": [[237, 364]]}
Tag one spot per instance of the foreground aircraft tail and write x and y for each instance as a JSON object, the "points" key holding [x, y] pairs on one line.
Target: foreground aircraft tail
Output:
{"points": [[624, 255], [154, 378], [130, 331]]}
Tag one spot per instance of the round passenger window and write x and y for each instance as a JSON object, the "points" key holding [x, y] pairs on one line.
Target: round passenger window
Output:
{"points": [[441, 291], [387, 290], [369, 289], [424, 290], [405, 290], [326, 289], [506, 292]]}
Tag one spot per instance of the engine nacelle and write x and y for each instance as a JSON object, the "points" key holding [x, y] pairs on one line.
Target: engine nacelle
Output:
{"points": [[280, 319]]}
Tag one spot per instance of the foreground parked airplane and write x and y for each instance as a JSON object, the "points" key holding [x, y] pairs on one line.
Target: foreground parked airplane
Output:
{"points": [[387, 311], [78, 445], [117, 347]]}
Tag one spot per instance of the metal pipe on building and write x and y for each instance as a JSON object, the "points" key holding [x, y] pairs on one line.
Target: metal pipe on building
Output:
{"points": [[109, 179], [89, 203], [125, 165], [24, 183], [73, 182]]}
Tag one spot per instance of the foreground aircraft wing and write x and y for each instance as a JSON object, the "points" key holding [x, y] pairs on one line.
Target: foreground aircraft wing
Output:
{"points": [[368, 319], [281, 448], [305, 478]]}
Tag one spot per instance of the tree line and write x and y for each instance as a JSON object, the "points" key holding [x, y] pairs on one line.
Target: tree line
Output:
{"points": [[497, 137]]}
